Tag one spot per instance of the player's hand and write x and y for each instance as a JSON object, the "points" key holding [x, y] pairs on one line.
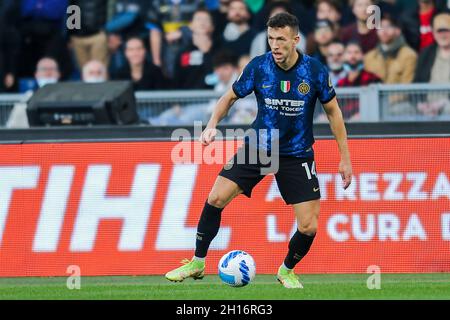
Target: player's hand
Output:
{"points": [[208, 135], [345, 170]]}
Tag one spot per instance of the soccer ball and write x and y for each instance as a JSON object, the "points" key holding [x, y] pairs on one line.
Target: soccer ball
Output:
{"points": [[237, 268]]}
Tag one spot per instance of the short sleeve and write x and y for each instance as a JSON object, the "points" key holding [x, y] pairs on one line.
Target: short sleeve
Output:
{"points": [[326, 91], [245, 83]]}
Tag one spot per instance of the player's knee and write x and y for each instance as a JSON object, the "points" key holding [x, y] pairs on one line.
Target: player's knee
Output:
{"points": [[216, 200], [308, 228]]}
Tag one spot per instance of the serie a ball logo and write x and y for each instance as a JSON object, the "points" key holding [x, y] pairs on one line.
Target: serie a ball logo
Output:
{"points": [[303, 88]]}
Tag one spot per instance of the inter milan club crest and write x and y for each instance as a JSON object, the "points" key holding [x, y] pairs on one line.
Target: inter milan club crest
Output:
{"points": [[303, 88], [285, 86]]}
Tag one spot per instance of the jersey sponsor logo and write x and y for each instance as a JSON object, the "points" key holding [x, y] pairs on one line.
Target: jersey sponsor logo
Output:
{"points": [[285, 86], [284, 102], [303, 88], [265, 86], [330, 83]]}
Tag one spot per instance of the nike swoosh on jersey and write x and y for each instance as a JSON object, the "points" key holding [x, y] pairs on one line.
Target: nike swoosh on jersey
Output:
{"points": [[266, 86], [316, 189]]}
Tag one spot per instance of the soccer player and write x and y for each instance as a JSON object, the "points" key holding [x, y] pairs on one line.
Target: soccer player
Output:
{"points": [[286, 84]]}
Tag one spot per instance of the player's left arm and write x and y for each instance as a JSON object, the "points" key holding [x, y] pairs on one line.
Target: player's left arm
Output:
{"points": [[337, 125]]}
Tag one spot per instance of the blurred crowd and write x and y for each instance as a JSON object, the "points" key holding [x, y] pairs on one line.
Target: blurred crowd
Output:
{"points": [[204, 44]]}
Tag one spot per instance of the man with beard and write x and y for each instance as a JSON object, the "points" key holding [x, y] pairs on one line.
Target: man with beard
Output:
{"points": [[359, 31], [356, 76], [237, 35], [335, 61]]}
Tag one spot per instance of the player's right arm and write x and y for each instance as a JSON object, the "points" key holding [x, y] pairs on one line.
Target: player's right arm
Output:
{"points": [[242, 87], [220, 111]]}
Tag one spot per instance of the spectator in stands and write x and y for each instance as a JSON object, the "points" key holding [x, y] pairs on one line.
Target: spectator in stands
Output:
{"points": [[359, 31], [323, 36], [434, 66], [47, 72], [393, 61], [127, 19], [226, 67], [144, 74], [41, 25], [416, 23], [90, 41], [433, 62], [238, 34], [260, 45], [194, 62], [182, 39], [335, 61], [329, 10], [326, 10], [166, 16], [356, 76], [94, 71]]}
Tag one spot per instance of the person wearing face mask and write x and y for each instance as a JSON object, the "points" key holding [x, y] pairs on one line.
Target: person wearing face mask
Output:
{"points": [[335, 61], [357, 76], [47, 72], [94, 71]]}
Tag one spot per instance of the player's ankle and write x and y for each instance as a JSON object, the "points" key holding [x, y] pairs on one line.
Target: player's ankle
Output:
{"points": [[283, 267], [199, 259]]}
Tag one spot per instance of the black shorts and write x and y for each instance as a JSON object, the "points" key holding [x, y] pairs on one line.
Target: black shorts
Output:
{"points": [[296, 177]]}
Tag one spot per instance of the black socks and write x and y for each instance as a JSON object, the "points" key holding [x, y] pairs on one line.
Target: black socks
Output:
{"points": [[207, 229], [298, 248]]}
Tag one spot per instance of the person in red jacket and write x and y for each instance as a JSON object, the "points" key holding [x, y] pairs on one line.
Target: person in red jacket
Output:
{"points": [[356, 76]]}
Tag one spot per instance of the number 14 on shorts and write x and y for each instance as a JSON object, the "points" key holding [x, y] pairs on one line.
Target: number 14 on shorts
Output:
{"points": [[309, 172]]}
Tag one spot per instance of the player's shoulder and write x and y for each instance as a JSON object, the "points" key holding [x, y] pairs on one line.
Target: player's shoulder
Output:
{"points": [[260, 60], [312, 62]]}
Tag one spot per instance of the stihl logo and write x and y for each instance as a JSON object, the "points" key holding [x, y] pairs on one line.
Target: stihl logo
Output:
{"points": [[94, 205]]}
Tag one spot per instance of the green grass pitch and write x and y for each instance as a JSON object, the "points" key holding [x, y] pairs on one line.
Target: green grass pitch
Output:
{"points": [[325, 286]]}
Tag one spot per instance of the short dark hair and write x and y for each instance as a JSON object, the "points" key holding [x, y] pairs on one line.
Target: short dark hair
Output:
{"points": [[337, 41], [224, 57], [354, 43], [284, 19], [135, 37], [392, 20], [332, 3]]}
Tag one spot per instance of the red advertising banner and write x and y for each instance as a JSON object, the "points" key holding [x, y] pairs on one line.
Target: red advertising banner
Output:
{"points": [[125, 208]]}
